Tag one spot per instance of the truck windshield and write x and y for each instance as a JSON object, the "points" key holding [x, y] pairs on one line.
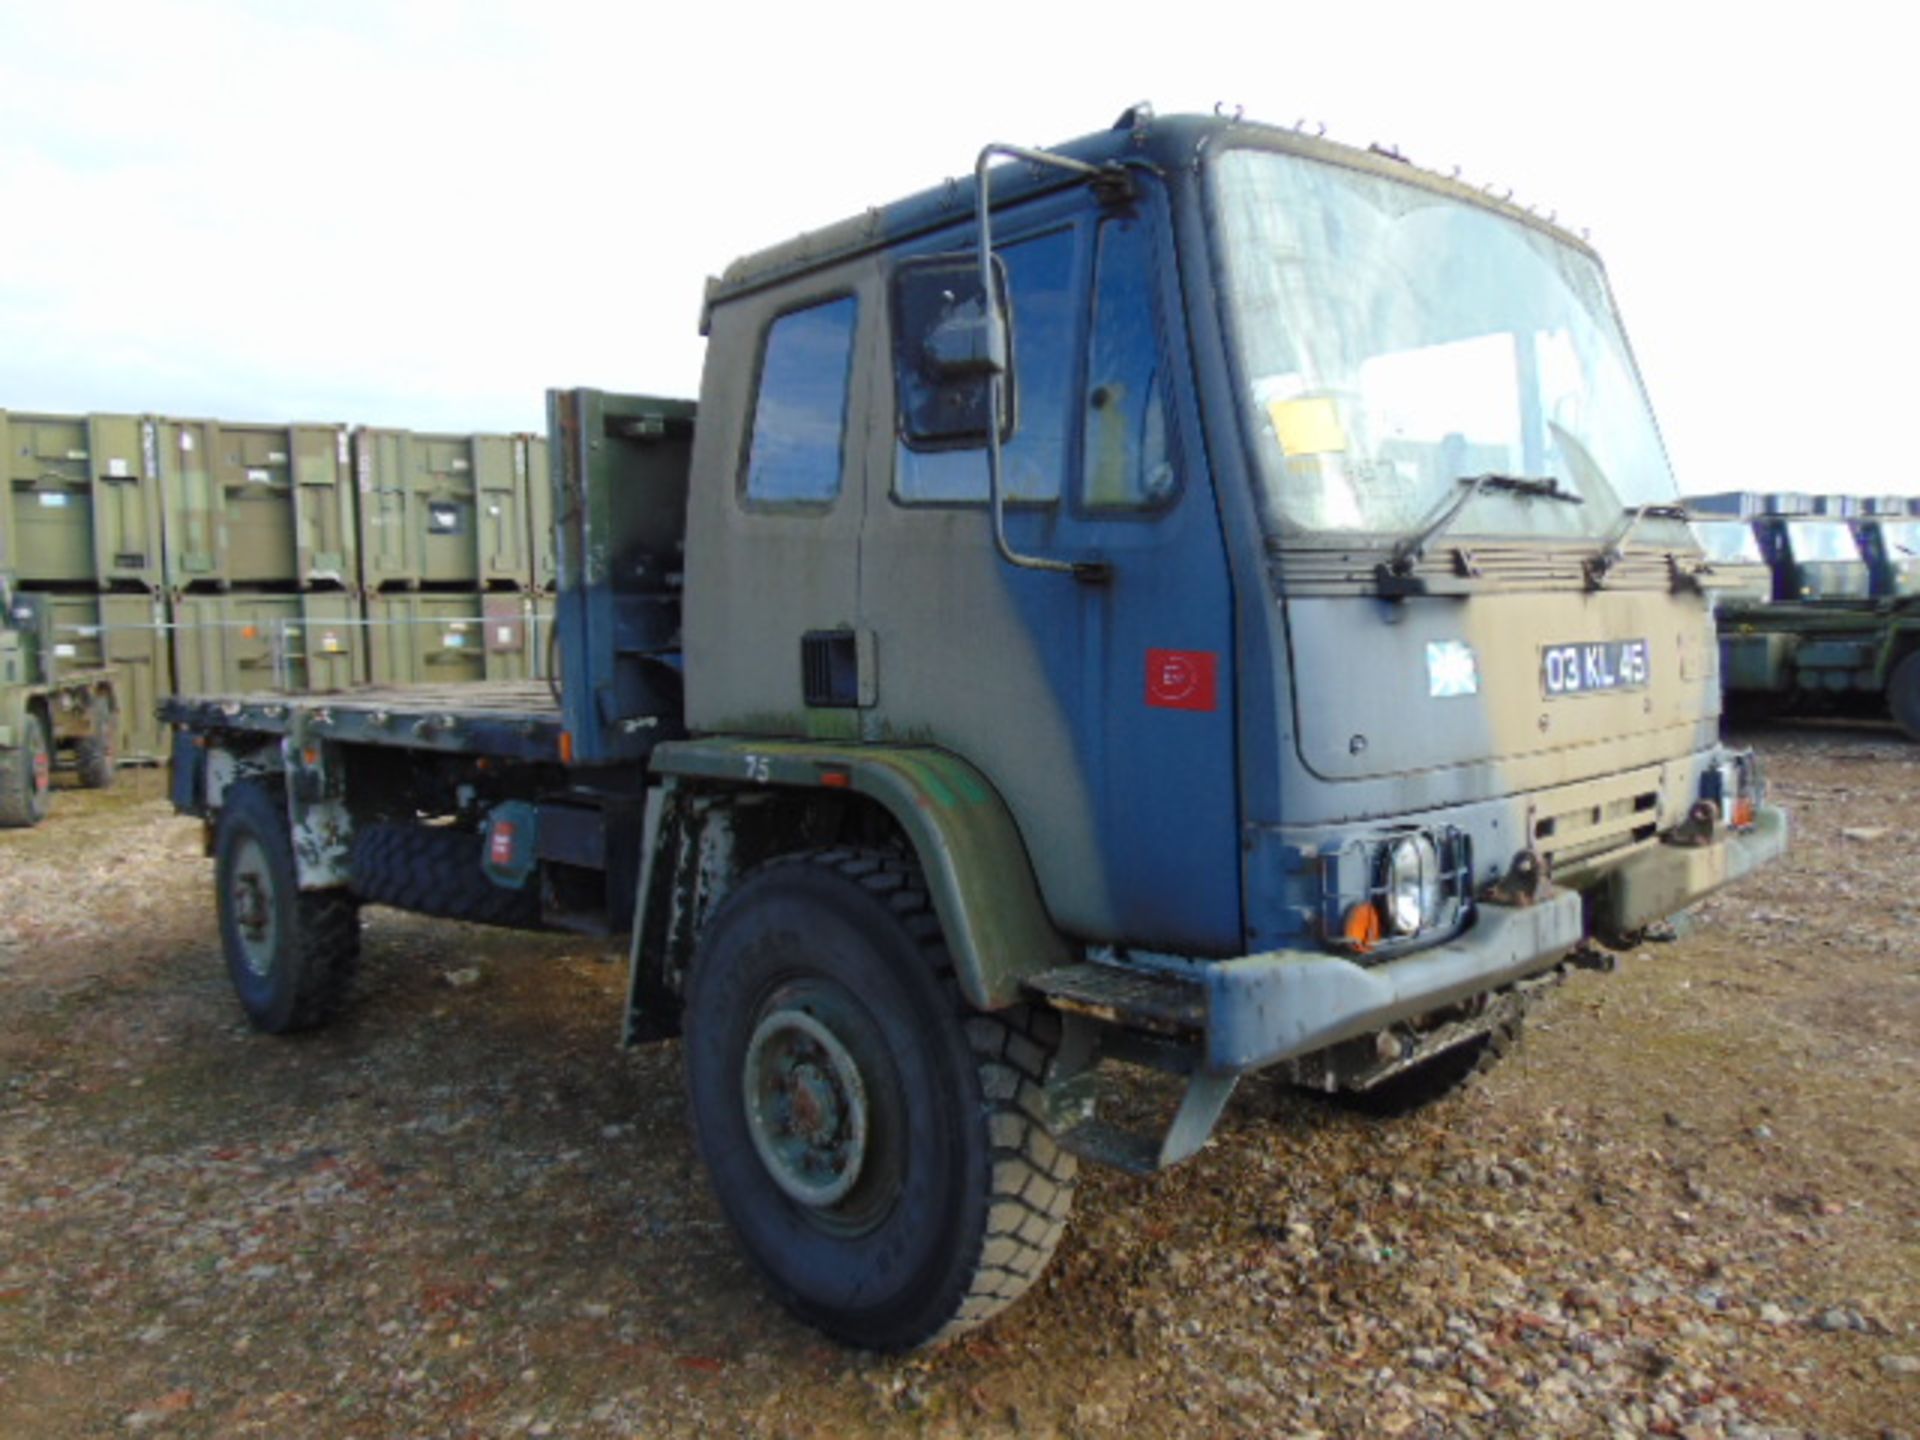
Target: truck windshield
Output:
{"points": [[1902, 538], [1394, 340], [1827, 540], [1729, 541]]}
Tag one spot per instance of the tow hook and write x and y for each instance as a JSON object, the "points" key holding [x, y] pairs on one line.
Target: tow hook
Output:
{"points": [[1521, 885]]}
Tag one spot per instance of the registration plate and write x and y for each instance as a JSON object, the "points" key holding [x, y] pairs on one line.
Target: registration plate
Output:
{"points": [[1587, 667]]}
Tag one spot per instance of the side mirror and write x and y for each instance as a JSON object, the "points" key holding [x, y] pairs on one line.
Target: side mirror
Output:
{"points": [[967, 343], [950, 345]]}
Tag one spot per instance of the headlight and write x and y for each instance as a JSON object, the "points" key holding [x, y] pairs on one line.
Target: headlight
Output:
{"points": [[1734, 787], [1411, 895]]}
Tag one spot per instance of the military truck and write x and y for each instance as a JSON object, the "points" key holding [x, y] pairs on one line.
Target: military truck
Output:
{"points": [[45, 710], [1840, 631], [1202, 601]]}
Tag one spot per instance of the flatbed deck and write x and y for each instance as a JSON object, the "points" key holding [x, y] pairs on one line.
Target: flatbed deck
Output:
{"points": [[517, 719]]}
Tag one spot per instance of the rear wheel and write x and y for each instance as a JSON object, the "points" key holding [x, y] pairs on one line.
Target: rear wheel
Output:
{"points": [[26, 777], [436, 870], [875, 1144], [291, 953], [97, 753], [1903, 695]]}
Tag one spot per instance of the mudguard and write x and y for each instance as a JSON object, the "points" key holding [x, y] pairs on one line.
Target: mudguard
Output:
{"points": [[969, 849]]}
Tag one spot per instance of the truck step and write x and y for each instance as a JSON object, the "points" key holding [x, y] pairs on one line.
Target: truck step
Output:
{"points": [[1123, 995]]}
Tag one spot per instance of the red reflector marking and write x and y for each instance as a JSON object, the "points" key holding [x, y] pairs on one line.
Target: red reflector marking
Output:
{"points": [[1183, 679], [500, 843], [835, 779]]}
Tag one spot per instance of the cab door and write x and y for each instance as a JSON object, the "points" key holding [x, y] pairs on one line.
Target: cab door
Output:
{"points": [[1101, 709]]}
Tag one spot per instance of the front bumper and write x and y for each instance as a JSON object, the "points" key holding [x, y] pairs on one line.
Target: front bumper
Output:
{"points": [[1262, 1009]]}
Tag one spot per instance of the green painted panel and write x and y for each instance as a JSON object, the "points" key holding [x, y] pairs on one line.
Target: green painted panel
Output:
{"points": [[542, 551], [129, 634], [969, 848], [234, 644], [256, 504], [542, 639], [442, 510], [80, 504], [440, 639]]}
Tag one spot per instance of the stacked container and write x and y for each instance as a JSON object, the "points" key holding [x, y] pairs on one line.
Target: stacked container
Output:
{"points": [[546, 558], [261, 555], [446, 555], [81, 524]]}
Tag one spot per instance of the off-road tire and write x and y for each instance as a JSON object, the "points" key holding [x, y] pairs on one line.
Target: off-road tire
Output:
{"points": [[1903, 695], [97, 755], [1432, 1080], [962, 1193], [435, 870], [26, 777], [291, 953]]}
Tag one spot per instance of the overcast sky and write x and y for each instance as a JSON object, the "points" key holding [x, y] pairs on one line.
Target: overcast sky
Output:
{"points": [[426, 214]]}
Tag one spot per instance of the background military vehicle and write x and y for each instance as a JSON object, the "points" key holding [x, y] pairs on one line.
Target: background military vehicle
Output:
{"points": [[1204, 600], [44, 710], [1840, 628]]}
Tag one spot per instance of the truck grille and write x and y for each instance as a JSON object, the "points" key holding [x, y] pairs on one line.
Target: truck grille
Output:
{"points": [[1596, 827]]}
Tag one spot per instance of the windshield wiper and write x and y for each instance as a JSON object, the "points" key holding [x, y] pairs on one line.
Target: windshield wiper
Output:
{"points": [[1546, 487], [1615, 550]]}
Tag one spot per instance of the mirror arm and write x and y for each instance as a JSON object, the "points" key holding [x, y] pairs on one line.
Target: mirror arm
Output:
{"points": [[997, 345]]}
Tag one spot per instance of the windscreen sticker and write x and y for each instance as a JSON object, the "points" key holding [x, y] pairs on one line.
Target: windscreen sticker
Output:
{"points": [[1183, 679], [1309, 426]]}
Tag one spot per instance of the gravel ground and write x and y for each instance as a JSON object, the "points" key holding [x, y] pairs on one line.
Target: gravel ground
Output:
{"points": [[1685, 1206]]}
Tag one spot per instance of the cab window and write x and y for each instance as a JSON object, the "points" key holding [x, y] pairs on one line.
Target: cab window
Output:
{"points": [[1125, 464], [800, 407], [1041, 293]]}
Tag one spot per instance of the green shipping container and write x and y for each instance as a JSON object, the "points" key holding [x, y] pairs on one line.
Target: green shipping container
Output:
{"points": [[442, 511], [546, 562], [225, 644], [129, 633], [444, 639], [256, 505], [81, 506]]}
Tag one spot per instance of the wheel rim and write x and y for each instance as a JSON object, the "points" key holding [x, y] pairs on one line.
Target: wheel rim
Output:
{"points": [[250, 894], [806, 1105]]}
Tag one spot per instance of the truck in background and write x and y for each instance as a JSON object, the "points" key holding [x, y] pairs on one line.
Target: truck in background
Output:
{"points": [[1838, 627], [46, 709], [1203, 599]]}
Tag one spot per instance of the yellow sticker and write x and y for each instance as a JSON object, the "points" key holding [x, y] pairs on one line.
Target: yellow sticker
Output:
{"points": [[1309, 426]]}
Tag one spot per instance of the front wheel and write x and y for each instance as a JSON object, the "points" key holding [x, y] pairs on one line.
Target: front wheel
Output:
{"points": [[291, 953], [96, 754], [1903, 695], [26, 777], [876, 1146]]}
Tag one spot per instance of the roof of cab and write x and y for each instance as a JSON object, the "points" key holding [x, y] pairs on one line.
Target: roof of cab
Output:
{"points": [[1162, 143]]}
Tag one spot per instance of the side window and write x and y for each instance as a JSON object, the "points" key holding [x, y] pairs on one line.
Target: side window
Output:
{"points": [[1042, 293], [1125, 463], [800, 409]]}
